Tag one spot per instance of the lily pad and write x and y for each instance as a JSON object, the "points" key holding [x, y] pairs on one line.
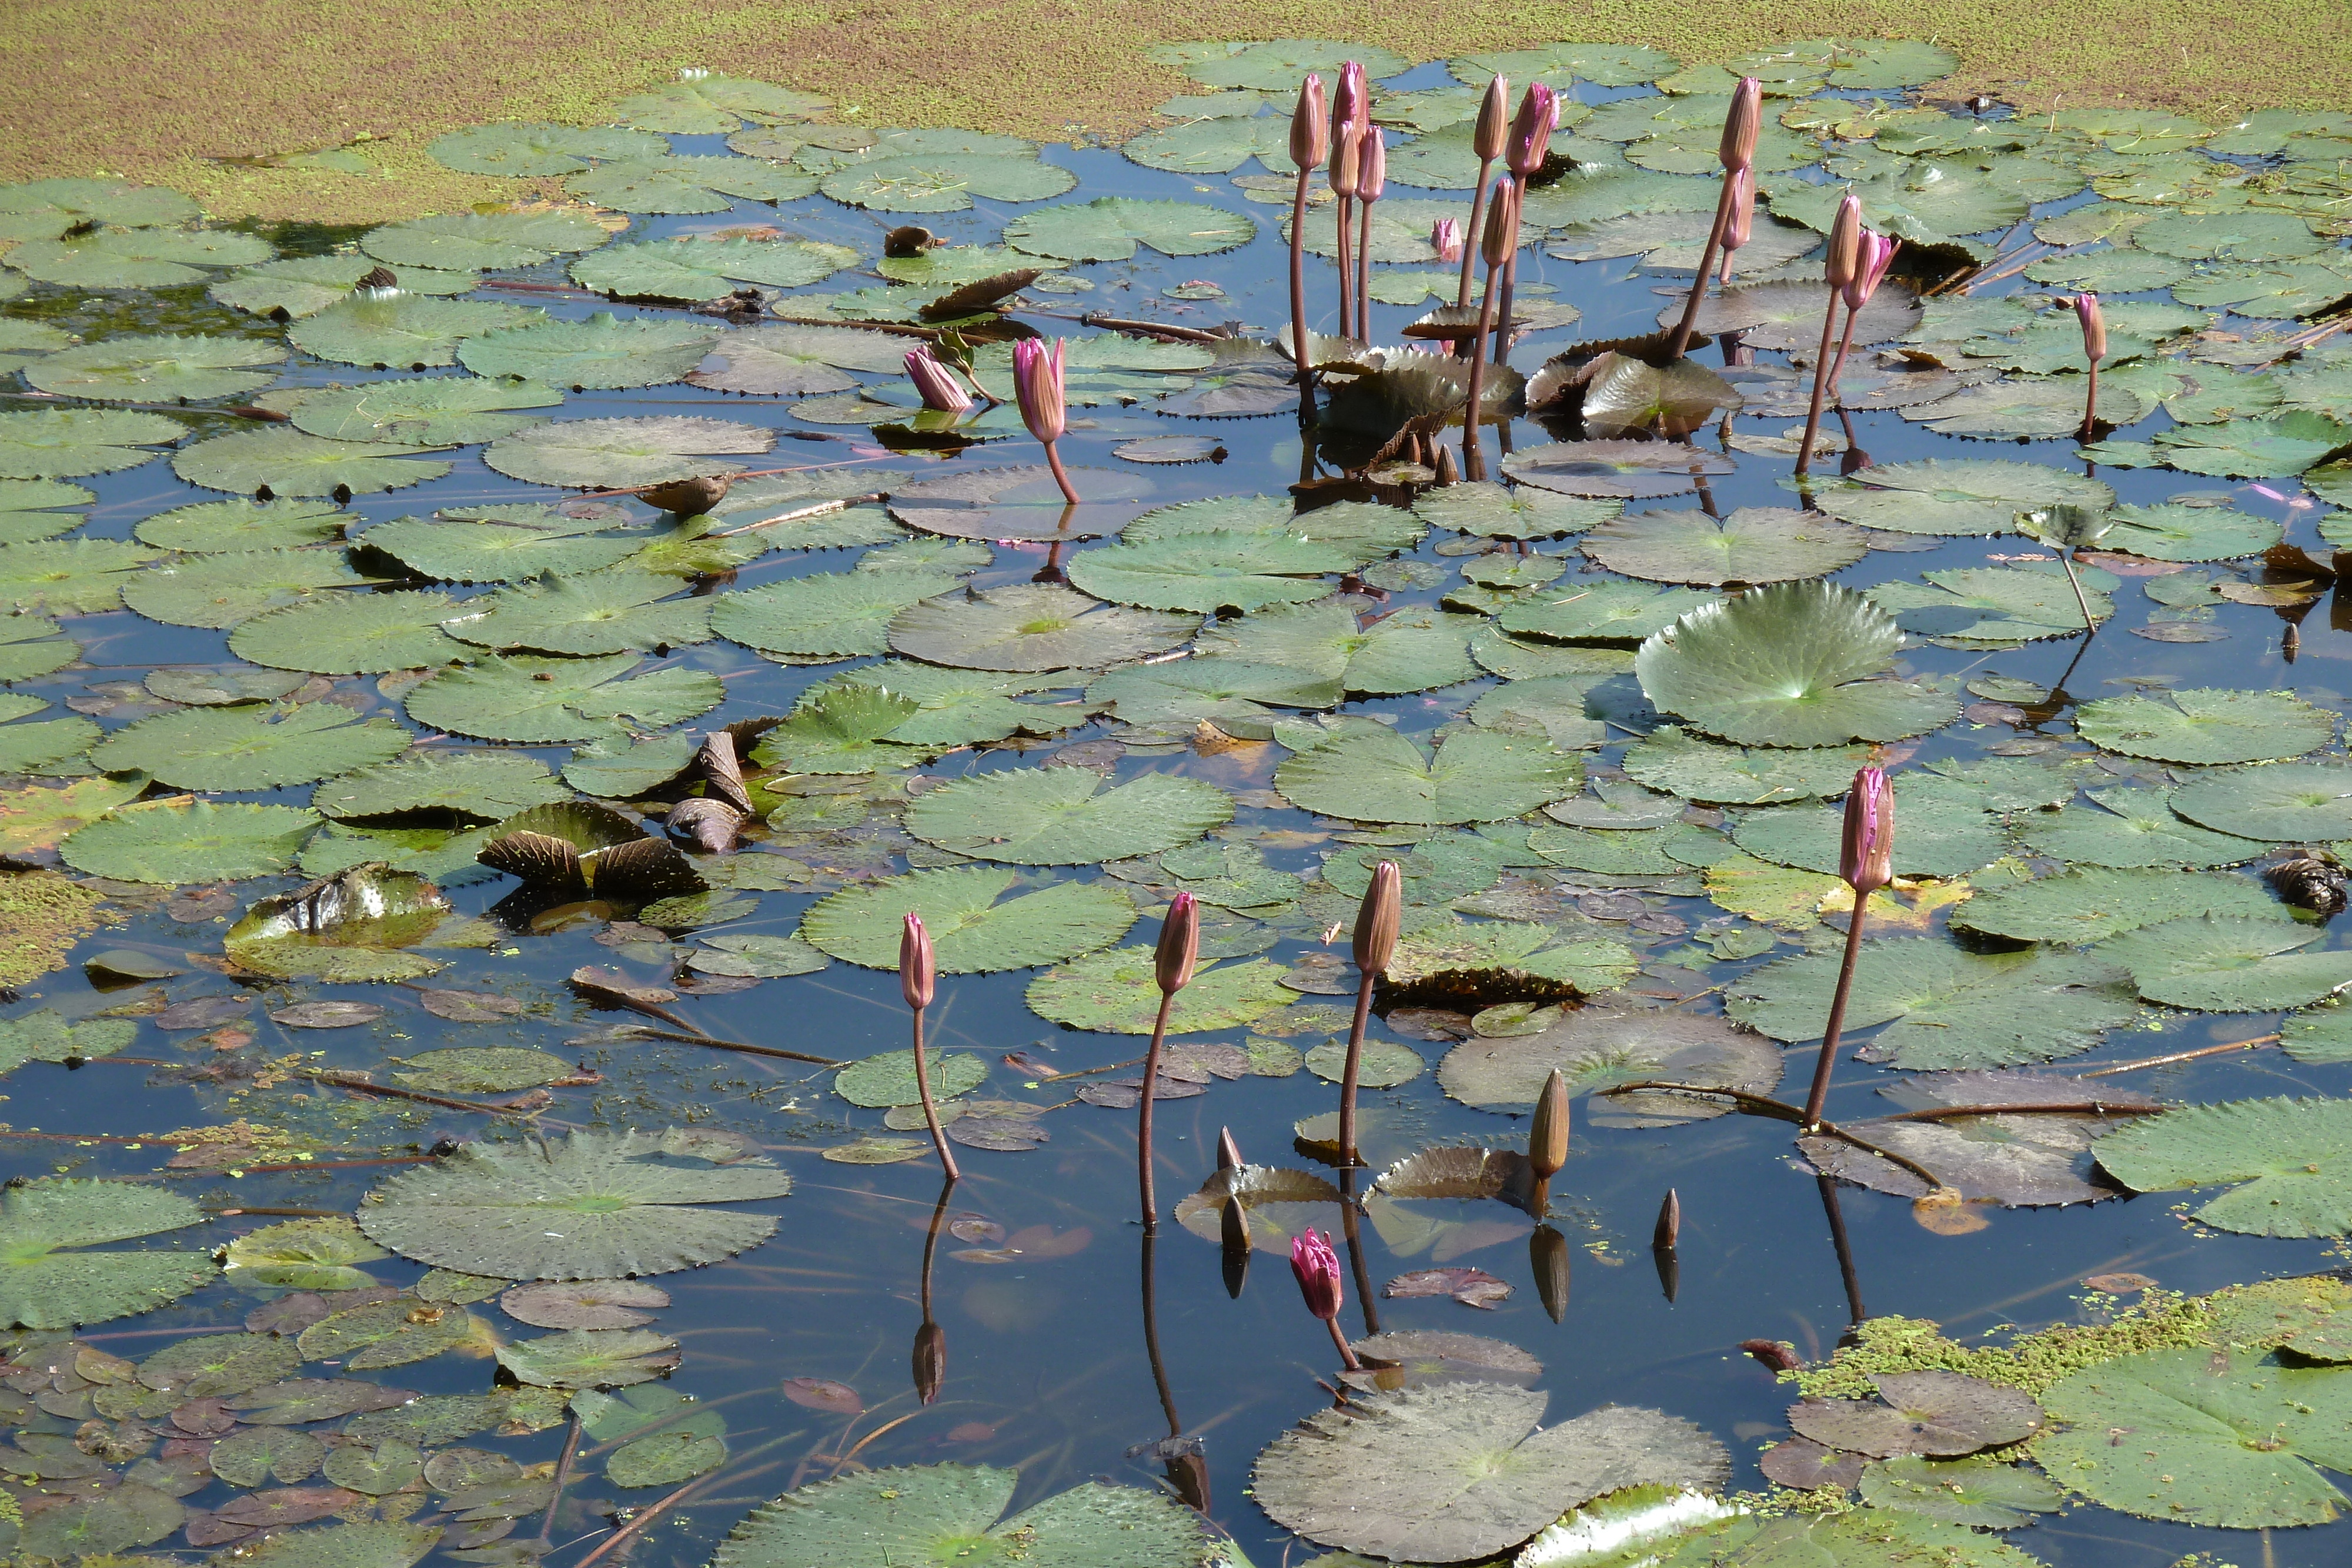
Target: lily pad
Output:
{"points": [[1673, 759], [440, 411], [503, 545], [599, 612], [889, 1079], [832, 615], [1936, 496], [2092, 903], [159, 367], [1983, 1492], [1109, 992], [972, 932], [599, 351], [620, 1203], [1110, 228], [1598, 1047], [1027, 626], [404, 331], [2132, 826], [1791, 664], [1063, 816], [55, 1282], [1476, 775], [251, 746], [1945, 1414], [505, 698], [1754, 543], [213, 526], [2295, 803], [599, 1358], [1615, 470], [708, 268], [289, 463], [67, 443], [519, 148], [2229, 963], [946, 181], [2206, 725], [135, 257], [667, 183], [197, 842], [1208, 572], [482, 242]]}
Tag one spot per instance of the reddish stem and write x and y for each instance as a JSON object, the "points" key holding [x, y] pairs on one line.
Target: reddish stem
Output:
{"points": [[1470, 235], [1820, 380], [1836, 1025], [1298, 293], [1061, 476], [1355, 1064], [1143, 1115], [930, 1111]]}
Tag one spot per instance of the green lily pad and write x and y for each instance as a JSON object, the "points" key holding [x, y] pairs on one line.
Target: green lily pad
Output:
{"points": [[69, 577], [55, 1282], [212, 526], [1599, 1047], [946, 181], [1211, 572], [1943, 830], [1995, 607], [1110, 228], [2238, 236], [757, 955], [67, 443], [1600, 611], [443, 411], [251, 746], [504, 698], [595, 1358], [1673, 759], [946, 1511], [1024, 626], [477, 242], [709, 105], [667, 183], [889, 1079], [2132, 826], [2188, 533], [1476, 775], [521, 148], [2093, 903], [828, 616], [135, 257], [305, 1255], [2298, 802], [404, 331], [491, 785], [1065, 816], [601, 351], [971, 930], [291, 463], [840, 730], [1407, 651], [197, 842], [1498, 511], [44, 209], [962, 707], [159, 367], [504, 545], [304, 286], [1934, 496], [2206, 725], [623, 1203], [1946, 1008], [708, 268], [2229, 963], [220, 590], [350, 634], [598, 613], [1754, 543], [2254, 448], [44, 1037]]}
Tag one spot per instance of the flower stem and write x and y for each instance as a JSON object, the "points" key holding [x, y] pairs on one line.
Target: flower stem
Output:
{"points": [[2091, 406], [1470, 235], [1347, 1354], [1061, 476], [1821, 382], [1510, 284], [1681, 340], [1473, 465], [1347, 320], [1364, 273], [2067, 560], [1836, 1024], [1298, 294], [1354, 1066], [930, 1111], [1143, 1115]]}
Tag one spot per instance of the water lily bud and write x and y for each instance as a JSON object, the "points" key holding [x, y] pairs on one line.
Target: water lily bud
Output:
{"points": [[1742, 221], [1866, 858], [919, 971], [1502, 235], [1445, 239], [1670, 1223], [1037, 384], [939, 389], [1740, 125], [1379, 919], [1487, 136], [1229, 1151], [1548, 1136], [1530, 141], [1846, 242], [1350, 101], [1180, 944], [1873, 256], [1310, 125], [930, 1360], [2095, 326], [1346, 160], [1374, 158], [1317, 1268]]}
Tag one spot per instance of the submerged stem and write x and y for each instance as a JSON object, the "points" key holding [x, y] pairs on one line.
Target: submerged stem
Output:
{"points": [[2067, 560]]}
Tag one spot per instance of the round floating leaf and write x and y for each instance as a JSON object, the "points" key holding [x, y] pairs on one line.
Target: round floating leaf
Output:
{"points": [[1111, 993], [444, 411], [602, 1358], [1207, 572], [972, 931], [714, 105], [1406, 652], [706, 268], [136, 258], [1791, 664], [796, 360], [2243, 235], [1787, 315], [404, 330], [44, 209], [1934, 496], [220, 590], [2229, 963], [1019, 502], [89, 1528], [1987, 1493], [1065, 816], [69, 577], [889, 1079], [944, 1512], [2093, 903], [1929, 203], [1498, 511], [617, 454], [601, 612], [1946, 1008], [619, 1203], [1671, 759], [1459, 1470], [159, 367], [51, 1283], [601, 351], [522, 148], [1599, 1048], [947, 182], [2188, 533], [2302, 802], [2133, 827], [1278, 1204], [1615, 470], [1274, 66], [828, 616], [1365, 530], [198, 843], [1599, 612], [508, 545], [350, 634], [293, 463], [1109, 228], [576, 700], [2206, 725], [304, 286], [67, 443], [2287, 1152], [960, 707], [479, 242], [1476, 775], [1996, 607], [491, 785], [1023, 626], [1946, 831], [2226, 1438], [669, 183], [1754, 543], [210, 527], [250, 746], [1941, 1413]]}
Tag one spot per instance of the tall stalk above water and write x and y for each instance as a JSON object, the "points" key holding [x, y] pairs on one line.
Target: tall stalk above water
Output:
{"points": [[1737, 152], [1310, 144], [1866, 862]]}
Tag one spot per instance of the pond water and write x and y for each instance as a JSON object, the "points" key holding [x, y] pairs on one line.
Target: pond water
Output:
{"points": [[1065, 1341]]}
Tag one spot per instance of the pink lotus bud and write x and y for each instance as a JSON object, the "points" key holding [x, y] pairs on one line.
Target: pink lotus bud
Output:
{"points": [[1037, 384], [1493, 120], [1872, 258], [1351, 104], [1846, 242], [1445, 239], [919, 971], [1866, 859], [1736, 233], [1374, 160], [1310, 128], [1502, 235], [1531, 130], [1180, 944], [938, 385], [1379, 919], [1347, 159], [1317, 1267], [1740, 125], [2095, 326]]}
